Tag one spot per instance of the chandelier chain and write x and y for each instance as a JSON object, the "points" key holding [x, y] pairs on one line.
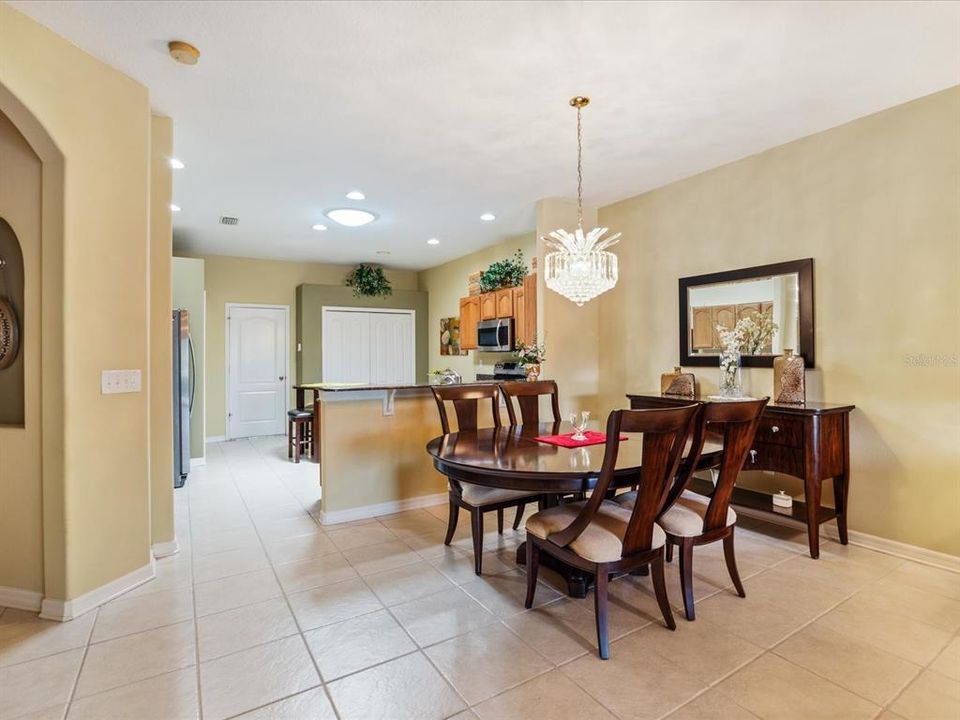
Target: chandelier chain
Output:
{"points": [[579, 169]]}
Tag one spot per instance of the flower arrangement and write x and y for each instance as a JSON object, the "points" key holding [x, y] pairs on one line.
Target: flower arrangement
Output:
{"points": [[530, 354], [368, 281], [504, 273], [750, 335]]}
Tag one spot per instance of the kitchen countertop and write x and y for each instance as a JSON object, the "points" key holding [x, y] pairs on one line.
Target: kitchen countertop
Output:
{"points": [[353, 387]]}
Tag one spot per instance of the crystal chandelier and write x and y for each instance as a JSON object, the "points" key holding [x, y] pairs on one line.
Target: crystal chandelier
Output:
{"points": [[579, 267]]}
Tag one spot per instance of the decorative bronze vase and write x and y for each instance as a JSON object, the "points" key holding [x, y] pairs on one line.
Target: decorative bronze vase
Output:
{"points": [[678, 383], [788, 378]]}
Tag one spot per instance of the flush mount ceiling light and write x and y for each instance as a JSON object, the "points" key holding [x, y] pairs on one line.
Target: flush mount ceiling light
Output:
{"points": [[319, 228], [488, 217], [579, 267], [433, 241], [177, 164], [183, 52], [350, 217], [174, 208], [356, 195]]}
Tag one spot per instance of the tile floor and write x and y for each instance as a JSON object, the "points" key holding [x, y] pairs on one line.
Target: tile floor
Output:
{"points": [[266, 615]]}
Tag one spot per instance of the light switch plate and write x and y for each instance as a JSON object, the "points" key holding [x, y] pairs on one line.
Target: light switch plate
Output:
{"points": [[119, 381]]}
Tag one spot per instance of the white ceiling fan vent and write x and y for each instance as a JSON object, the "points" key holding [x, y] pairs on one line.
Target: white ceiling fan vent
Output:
{"points": [[227, 220]]}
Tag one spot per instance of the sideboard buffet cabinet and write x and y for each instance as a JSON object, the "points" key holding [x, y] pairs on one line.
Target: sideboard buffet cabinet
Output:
{"points": [[809, 441]]}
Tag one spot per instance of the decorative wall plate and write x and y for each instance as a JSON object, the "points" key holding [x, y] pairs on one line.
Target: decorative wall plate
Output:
{"points": [[9, 335]]}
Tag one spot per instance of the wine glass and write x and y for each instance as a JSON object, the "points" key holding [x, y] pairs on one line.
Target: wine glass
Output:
{"points": [[579, 427]]}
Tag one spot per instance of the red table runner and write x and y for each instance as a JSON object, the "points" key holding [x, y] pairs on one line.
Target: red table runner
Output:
{"points": [[593, 438]]}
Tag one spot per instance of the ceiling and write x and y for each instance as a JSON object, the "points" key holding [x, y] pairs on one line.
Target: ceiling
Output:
{"points": [[440, 111]]}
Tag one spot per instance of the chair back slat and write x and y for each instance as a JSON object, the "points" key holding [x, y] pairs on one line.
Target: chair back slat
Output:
{"points": [[665, 433], [466, 404], [738, 423], [528, 395]]}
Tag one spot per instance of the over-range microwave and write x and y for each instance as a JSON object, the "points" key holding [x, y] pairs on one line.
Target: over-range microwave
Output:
{"points": [[495, 335]]}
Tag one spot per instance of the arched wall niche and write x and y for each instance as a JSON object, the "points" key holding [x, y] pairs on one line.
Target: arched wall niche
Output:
{"points": [[12, 329], [32, 512]]}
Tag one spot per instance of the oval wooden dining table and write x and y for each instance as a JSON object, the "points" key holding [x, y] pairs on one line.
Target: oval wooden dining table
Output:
{"points": [[511, 458]]}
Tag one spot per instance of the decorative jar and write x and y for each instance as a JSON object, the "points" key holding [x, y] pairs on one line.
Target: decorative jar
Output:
{"points": [[533, 371]]}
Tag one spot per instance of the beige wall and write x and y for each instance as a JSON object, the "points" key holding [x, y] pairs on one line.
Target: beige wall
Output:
{"points": [[21, 525], [271, 282], [95, 494], [161, 350], [447, 283], [188, 294], [876, 203]]}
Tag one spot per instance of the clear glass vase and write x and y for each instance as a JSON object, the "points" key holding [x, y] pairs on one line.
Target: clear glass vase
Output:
{"points": [[731, 380]]}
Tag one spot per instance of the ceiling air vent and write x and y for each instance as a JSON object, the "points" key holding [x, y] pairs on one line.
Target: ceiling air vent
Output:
{"points": [[227, 220]]}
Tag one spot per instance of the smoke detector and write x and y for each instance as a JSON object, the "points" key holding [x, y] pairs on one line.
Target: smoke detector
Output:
{"points": [[227, 220], [183, 52]]}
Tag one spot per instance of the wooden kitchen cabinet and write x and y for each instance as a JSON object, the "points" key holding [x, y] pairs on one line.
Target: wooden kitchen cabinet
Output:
{"points": [[488, 306], [504, 300], [469, 317], [519, 316]]}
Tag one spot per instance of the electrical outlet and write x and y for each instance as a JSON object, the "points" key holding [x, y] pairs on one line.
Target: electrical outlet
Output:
{"points": [[119, 381]]}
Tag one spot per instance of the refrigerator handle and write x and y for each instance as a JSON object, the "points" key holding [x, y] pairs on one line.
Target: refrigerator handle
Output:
{"points": [[193, 371]]}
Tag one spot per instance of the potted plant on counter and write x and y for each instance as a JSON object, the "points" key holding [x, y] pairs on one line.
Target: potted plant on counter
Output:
{"points": [[530, 358]]}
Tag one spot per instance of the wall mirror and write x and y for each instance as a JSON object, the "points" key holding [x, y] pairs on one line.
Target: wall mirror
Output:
{"points": [[781, 293]]}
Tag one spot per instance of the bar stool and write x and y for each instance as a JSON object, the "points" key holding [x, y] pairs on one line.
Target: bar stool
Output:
{"points": [[299, 433]]}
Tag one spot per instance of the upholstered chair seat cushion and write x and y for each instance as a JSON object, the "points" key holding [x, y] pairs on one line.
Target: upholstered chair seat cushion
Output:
{"points": [[478, 496], [685, 517], [602, 541]]}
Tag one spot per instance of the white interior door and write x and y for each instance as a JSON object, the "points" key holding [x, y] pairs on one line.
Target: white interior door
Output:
{"points": [[257, 370], [368, 347]]}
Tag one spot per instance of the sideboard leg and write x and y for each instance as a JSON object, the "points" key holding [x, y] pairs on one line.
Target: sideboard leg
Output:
{"points": [[812, 497], [840, 485]]}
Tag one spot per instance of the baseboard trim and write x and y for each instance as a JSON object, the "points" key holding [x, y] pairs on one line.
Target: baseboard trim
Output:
{"points": [[198, 462], [217, 438], [12, 597], [63, 610], [915, 553], [165, 549], [388, 508]]}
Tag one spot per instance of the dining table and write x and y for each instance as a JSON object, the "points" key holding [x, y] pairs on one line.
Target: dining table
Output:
{"points": [[511, 458]]}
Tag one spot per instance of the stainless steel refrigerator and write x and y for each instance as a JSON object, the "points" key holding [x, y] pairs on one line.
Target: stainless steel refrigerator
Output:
{"points": [[184, 389]]}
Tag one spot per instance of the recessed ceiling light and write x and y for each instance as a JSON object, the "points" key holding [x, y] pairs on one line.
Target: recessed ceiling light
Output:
{"points": [[177, 164], [433, 241], [488, 217], [174, 208], [319, 228], [356, 195], [351, 217]]}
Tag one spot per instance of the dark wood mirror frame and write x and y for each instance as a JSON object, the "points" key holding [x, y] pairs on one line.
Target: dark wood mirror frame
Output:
{"points": [[804, 270]]}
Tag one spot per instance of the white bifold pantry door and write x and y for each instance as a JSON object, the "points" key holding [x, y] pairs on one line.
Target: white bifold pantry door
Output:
{"points": [[370, 347]]}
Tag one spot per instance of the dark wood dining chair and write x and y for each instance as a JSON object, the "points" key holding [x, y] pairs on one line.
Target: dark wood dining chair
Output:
{"points": [[476, 499], [691, 519], [600, 536], [527, 395]]}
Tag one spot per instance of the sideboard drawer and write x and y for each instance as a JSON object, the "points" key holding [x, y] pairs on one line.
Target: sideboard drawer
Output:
{"points": [[780, 430], [787, 460]]}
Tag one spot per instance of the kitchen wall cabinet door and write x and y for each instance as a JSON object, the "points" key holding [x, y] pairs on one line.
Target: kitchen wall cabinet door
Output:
{"points": [[504, 303], [469, 317], [488, 306], [520, 316]]}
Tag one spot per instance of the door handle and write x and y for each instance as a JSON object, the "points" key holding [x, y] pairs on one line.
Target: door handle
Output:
{"points": [[775, 429], [753, 456]]}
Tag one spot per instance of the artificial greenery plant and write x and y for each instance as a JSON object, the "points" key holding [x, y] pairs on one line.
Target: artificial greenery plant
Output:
{"points": [[504, 273], [368, 281]]}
